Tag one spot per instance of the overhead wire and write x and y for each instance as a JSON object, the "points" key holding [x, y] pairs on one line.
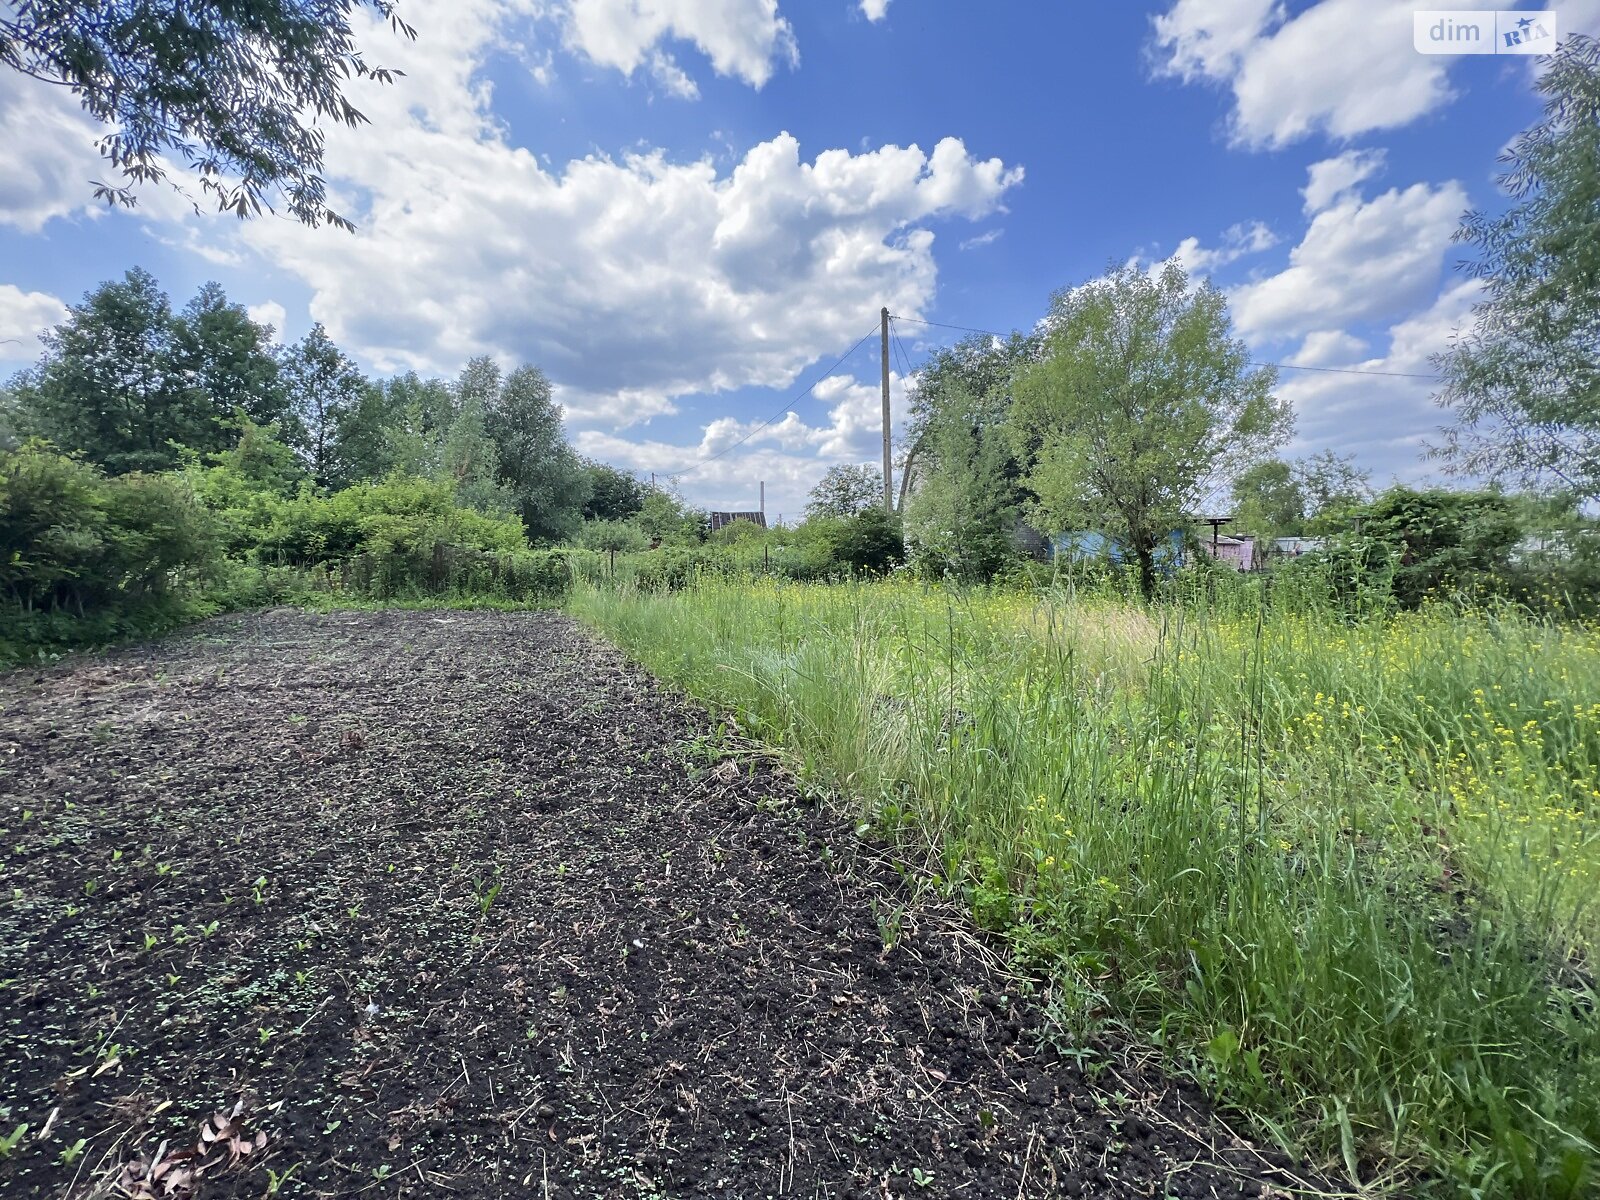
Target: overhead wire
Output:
{"points": [[1253, 362]]}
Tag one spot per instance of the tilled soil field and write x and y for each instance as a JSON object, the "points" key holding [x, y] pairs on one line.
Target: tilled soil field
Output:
{"points": [[463, 904]]}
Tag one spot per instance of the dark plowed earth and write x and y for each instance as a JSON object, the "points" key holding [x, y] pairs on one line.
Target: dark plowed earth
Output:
{"points": [[463, 904]]}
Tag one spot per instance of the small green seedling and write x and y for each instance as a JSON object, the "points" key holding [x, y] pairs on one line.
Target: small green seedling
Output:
{"points": [[70, 1154], [8, 1143], [486, 898], [275, 1181], [921, 1178]]}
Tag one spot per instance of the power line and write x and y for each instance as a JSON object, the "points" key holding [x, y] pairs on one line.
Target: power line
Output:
{"points": [[1253, 362], [943, 325], [788, 404], [900, 353]]}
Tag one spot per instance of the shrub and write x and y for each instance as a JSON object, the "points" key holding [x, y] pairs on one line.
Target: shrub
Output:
{"points": [[871, 542], [89, 558]]}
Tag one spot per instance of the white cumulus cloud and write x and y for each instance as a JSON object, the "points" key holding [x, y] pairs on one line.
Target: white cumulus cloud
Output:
{"points": [[269, 312], [744, 39], [631, 280], [1333, 179], [23, 317], [1341, 67], [874, 10], [1250, 237], [1359, 260], [1383, 412]]}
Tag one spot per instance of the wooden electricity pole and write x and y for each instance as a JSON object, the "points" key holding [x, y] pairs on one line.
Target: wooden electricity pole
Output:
{"points": [[888, 466]]}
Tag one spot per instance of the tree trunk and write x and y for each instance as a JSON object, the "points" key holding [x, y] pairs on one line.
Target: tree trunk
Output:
{"points": [[1144, 554]]}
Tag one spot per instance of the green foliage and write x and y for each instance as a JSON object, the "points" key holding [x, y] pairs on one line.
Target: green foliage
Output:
{"points": [[608, 536], [844, 491], [91, 556], [961, 473], [667, 518], [395, 516], [1341, 870], [1432, 544], [323, 388], [1142, 396], [1273, 498], [228, 359], [1524, 383], [548, 484], [112, 384], [870, 542], [236, 92], [613, 495], [961, 519]]}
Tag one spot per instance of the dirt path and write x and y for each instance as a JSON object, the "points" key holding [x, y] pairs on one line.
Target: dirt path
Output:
{"points": [[462, 904]]}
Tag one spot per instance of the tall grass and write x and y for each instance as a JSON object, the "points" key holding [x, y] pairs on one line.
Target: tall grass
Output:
{"points": [[1344, 874]]}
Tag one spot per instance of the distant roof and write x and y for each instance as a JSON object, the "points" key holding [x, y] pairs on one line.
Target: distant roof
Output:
{"points": [[719, 519]]}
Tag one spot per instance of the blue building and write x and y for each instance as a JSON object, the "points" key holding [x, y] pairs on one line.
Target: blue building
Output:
{"points": [[1090, 545]]}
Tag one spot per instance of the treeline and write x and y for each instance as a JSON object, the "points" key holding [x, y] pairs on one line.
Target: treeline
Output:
{"points": [[130, 385], [1131, 412], [157, 463]]}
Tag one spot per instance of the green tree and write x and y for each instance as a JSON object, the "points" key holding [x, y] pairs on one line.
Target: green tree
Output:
{"points": [[613, 495], [238, 90], [846, 490], [1142, 396], [1268, 500], [979, 368], [547, 481], [666, 516], [110, 383], [870, 541], [1274, 498], [961, 517], [1524, 382], [416, 412], [607, 535], [323, 387], [1437, 542], [228, 358], [470, 461], [366, 436]]}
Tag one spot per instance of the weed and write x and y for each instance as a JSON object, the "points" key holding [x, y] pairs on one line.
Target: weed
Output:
{"points": [[485, 896], [1308, 851]]}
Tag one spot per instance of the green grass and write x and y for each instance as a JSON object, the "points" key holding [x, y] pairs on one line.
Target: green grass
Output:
{"points": [[1341, 873]]}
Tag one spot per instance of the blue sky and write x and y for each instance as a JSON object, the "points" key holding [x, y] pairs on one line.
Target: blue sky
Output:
{"points": [[686, 211]]}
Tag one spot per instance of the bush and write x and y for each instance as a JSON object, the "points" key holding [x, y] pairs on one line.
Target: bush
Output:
{"points": [[871, 542], [401, 516], [608, 536], [89, 558]]}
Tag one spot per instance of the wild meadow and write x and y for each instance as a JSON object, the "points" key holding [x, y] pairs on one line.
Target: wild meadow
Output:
{"points": [[1343, 871]]}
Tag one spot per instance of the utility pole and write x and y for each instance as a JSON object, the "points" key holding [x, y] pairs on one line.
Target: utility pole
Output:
{"points": [[763, 503], [888, 466]]}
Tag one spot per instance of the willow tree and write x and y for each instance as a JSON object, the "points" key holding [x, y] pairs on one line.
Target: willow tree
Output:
{"points": [[1524, 381], [1142, 400], [239, 92]]}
